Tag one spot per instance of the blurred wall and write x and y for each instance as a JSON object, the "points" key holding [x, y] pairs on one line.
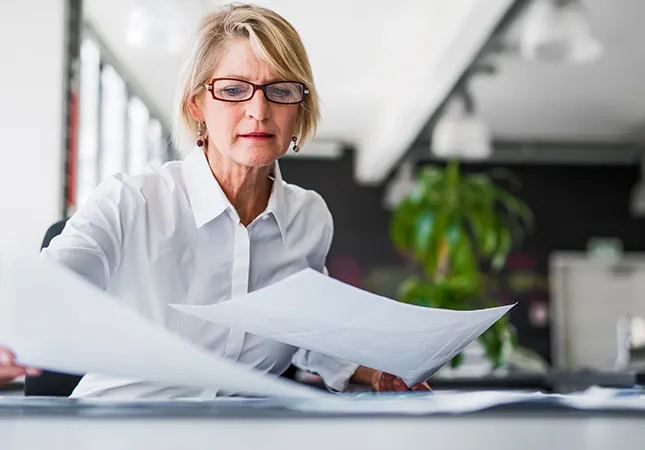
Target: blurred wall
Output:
{"points": [[32, 52], [571, 203]]}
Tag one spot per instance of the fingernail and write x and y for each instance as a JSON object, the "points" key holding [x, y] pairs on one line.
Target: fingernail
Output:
{"points": [[32, 372]]}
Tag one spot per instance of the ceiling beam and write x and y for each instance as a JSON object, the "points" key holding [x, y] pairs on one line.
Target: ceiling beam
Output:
{"points": [[433, 80], [564, 153], [374, 165]]}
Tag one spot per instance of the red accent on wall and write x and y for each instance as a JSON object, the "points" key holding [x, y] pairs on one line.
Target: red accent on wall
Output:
{"points": [[72, 151]]}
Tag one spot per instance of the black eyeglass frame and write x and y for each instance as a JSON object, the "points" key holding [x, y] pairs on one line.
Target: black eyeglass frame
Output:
{"points": [[262, 87]]}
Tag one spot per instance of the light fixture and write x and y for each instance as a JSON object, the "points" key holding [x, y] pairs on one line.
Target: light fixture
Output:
{"points": [[460, 133], [559, 31], [157, 25], [400, 187]]}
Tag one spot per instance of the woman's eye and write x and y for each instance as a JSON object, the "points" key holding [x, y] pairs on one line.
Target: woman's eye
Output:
{"points": [[233, 91], [281, 92]]}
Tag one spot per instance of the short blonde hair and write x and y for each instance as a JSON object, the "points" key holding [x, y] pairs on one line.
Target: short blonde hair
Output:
{"points": [[274, 41]]}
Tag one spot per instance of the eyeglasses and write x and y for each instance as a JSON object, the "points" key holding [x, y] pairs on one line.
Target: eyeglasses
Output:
{"points": [[232, 90]]}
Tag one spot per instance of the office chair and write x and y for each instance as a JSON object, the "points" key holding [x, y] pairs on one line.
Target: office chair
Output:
{"points": [[56, 384]]}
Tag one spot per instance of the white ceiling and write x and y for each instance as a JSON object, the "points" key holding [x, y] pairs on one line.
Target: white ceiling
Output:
{"points": [[600, 102], [382, 68]]}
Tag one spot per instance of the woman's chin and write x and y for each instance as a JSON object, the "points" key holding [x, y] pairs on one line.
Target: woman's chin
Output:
{"points": [[257, 157]]}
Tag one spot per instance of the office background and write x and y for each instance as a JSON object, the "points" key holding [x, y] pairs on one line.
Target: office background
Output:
{"points": [[77, 105]]}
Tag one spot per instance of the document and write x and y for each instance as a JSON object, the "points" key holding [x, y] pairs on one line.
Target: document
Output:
{"points": [[315, 312], [414, 403], [53, 319]]}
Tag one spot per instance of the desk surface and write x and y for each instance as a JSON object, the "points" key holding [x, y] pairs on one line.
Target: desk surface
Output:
{"points": [[231, 426], [464, 432]]}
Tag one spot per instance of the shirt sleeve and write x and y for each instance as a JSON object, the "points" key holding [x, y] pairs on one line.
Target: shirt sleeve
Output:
{"points": [[92, 242], [335, 372]]}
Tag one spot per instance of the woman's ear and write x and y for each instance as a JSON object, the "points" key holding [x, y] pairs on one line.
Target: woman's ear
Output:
{"points": [[195, 110]]}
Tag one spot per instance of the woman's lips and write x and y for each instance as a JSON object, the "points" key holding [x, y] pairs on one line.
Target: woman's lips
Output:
{"points": [[257, 136]]}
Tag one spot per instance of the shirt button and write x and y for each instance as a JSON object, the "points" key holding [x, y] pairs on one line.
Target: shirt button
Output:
{"points": [[265, 217]]}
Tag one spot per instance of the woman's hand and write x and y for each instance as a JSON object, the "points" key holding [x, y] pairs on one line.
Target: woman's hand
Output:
{"points": [[10, 370], [386, 382]]}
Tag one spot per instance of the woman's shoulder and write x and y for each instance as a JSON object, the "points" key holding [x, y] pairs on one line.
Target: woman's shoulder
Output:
{"points": [[153, 183], [307, 201]]}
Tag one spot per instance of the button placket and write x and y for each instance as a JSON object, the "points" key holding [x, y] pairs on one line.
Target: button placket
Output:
{"points": [[240, 284]]}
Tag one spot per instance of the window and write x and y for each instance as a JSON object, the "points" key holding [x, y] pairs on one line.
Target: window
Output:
{"points": [[88, 133], [156, 145], [138, 117], [113, 145], [118, 132]]}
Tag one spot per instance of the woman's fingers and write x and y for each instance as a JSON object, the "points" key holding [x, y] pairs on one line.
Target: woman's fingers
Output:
{"points": [[6, 358], [399, 385], [386, 382], [7, 374], [10, 370], [33, 372]]}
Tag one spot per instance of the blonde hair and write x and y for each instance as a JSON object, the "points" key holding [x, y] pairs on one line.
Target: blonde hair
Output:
{"points": [[274, 41]]}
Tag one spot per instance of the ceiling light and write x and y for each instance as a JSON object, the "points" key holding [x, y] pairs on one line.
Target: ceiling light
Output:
{"points": [[157, 25], [559, 31], [400, 187], [460, 133]]}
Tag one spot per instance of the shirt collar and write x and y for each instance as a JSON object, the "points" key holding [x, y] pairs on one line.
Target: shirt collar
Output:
{"points": [[207, 199]]}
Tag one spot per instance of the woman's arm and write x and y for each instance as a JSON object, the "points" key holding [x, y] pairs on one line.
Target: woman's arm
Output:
{"points": [[92, 242], [90, 245]]}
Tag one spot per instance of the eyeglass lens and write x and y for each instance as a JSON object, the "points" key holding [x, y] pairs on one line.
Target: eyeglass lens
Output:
{"points": [[237, 91]]}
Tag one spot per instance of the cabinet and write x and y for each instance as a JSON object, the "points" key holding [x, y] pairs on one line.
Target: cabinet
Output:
{"points": [[591, 300]]}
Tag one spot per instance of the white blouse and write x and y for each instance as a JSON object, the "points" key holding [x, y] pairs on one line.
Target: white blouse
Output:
{"points": [[170, 235]]}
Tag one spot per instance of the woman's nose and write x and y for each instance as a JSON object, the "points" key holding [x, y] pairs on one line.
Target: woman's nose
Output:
{"points": [[258, 106]]}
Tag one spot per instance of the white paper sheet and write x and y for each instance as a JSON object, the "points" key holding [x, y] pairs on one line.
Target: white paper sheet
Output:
{"points": [[415, 404], [53, 319], [312, 311]]}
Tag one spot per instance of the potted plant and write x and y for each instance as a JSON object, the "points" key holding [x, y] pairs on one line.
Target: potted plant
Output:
{"points": [[455, 227]]}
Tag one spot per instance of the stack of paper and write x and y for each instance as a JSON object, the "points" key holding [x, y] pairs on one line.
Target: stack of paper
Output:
{"points": [[53, 319]]}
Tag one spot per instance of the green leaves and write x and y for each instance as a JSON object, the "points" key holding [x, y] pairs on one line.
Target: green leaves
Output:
{"points": [[453, 222], [451, 225]]}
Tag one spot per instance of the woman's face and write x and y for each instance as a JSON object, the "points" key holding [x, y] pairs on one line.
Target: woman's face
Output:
{"points": [[252, 133]]}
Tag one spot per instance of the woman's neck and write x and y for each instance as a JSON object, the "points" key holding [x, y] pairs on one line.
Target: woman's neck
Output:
{"points": [[247, 188]]}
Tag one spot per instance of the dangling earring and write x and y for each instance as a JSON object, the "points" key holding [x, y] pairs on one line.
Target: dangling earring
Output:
{"points": [[200, 135], [295, 148]]}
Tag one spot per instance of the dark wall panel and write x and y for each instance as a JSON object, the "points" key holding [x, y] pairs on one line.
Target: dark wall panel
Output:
{"points": [[571, 205]]}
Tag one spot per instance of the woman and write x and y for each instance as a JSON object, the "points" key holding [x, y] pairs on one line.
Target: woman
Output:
{"points": [[222, 222]]}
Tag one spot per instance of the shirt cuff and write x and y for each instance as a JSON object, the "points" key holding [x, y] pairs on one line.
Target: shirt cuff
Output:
{"points": [[338, 381], [335, 372]]}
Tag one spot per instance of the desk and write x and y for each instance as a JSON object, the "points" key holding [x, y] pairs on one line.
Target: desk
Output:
{"points": [[554, 381], [15, 388], [230, 427]]}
